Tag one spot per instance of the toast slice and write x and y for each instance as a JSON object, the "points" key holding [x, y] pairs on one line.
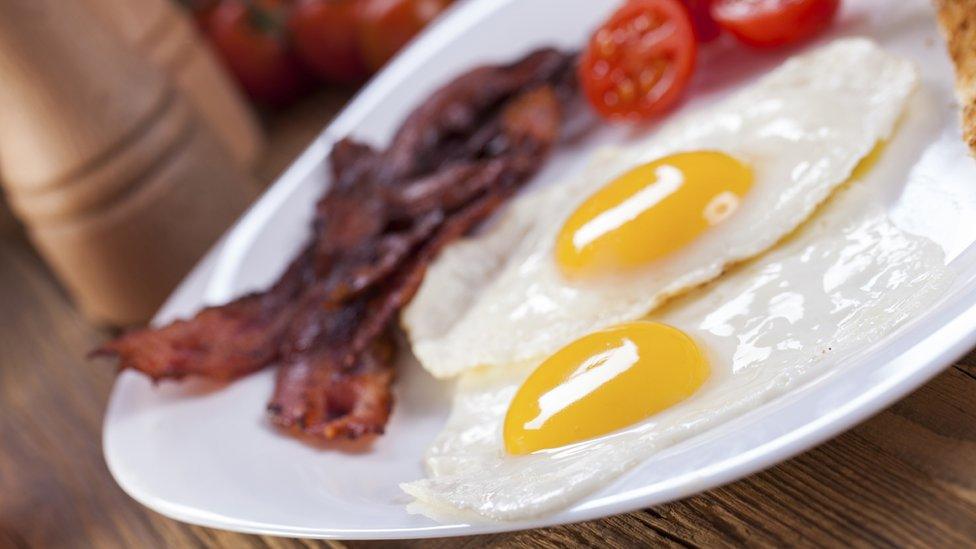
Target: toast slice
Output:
{"points": [[958, 21]]}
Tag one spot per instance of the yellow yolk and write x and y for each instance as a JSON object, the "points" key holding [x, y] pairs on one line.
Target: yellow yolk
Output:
{"points": [[651, 211], [602, 382]]}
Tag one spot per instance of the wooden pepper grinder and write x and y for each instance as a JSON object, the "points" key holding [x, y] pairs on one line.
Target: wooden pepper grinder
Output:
{"points": [[166, 36], [120, 185]]}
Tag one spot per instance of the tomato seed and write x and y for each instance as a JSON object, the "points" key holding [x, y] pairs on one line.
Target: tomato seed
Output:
{"points": [[642, 23], [604, 43], [600, 69], [626, 90], [647, 78]]}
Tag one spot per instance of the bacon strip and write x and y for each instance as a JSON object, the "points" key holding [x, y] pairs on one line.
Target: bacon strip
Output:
{"points": [[308, 398], [314, 399], [447, 125], [327, 322], [220, 343], [317, 395]]}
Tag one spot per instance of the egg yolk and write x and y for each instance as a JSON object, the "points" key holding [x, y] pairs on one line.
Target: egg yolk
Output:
{"points": [[602, 382], [651, 211]]}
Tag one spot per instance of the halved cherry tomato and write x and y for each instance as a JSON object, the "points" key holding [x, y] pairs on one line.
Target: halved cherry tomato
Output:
{"points": [[387, 25], [251, 37], [638, 62], [706, 29], [772, 23], [325, 36]]}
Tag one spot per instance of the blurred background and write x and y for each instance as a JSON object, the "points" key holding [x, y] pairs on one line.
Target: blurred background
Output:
{"points": [[134, 132]]}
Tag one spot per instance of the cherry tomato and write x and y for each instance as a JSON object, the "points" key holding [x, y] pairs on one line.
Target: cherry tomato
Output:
{"points": [[640, 61], [706, 29], [771, 23], [250, 36], [325, 35], [387, 25]]}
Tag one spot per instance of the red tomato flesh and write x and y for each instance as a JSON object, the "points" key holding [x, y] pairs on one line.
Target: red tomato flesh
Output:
{"points": [[640, 61], [773, 23]]}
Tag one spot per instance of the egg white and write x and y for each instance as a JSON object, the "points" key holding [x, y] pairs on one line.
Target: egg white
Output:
{"points": [[499, 298]]}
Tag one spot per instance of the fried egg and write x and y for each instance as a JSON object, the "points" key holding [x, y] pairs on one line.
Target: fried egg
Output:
{"points": [[654, 220], [571, 371], [846, 279]]}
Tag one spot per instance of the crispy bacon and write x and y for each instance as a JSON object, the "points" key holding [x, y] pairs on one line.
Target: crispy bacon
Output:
{"points": [[312, 395], [360, 269], [223, 342], [316, 394], [457, 121], [327, 322]]}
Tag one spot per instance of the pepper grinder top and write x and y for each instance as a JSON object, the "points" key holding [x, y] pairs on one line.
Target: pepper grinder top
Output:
{"points": [[166, 36], [120, 185]]}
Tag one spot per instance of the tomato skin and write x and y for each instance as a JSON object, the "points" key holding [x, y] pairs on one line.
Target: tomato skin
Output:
{"points": [[638, 63], [251, 41], [201, 11], [706, 29], [774, 23], [326, 38], [387, 25]]}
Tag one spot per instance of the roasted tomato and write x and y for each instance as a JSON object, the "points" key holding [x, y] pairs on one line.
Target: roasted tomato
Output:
{"points": [[325, 36], [387, 25], [771, 23], [251, 37], [637, 64], [706, 29]]}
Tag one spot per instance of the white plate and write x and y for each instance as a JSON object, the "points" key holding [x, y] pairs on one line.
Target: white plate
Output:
{"points": [[206, 455]]}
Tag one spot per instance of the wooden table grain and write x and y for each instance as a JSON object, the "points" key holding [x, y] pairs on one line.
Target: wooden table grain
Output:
{"points": [[905, 477]]}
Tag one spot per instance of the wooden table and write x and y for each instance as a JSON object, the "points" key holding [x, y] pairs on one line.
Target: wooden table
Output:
{"points": [[907, 476]]}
